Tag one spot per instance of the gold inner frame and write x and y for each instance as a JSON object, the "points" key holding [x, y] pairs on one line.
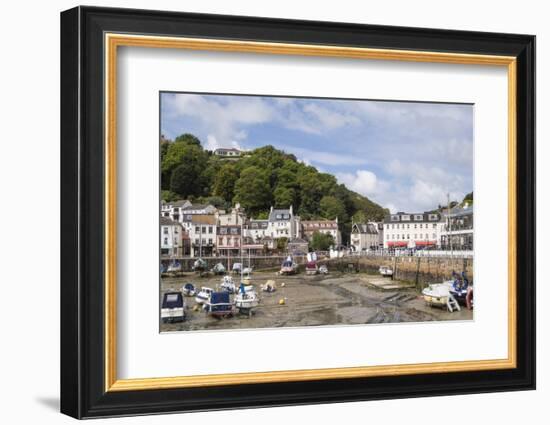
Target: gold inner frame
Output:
{"points": [[113, 41]]}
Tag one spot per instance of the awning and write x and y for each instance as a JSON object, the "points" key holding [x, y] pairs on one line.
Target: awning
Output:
{"points": [[399, 243], [425, 243]]}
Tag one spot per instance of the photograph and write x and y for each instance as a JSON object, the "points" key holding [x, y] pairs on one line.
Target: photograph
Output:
{"points": [[281, 212]]}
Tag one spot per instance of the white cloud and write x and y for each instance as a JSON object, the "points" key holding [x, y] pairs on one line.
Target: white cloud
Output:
{"points": [[364, 182]]}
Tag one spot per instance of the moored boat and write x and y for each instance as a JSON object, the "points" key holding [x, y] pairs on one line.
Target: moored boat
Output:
{"points": [[228, 284], [172, 308], [439, 295], [311, 268], [188, 290], [219, 304], [289, 267], [203, 295]]}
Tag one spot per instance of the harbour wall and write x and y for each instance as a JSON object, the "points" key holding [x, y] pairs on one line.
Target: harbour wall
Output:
{"points": [[420, 270]]}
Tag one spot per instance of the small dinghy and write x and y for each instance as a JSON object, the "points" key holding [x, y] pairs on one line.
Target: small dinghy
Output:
{"points": [[188, 290], [204, 295]]}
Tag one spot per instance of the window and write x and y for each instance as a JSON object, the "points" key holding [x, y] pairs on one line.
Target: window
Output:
{"points": [[405, 217], [165, 230], [165, 241], [210, 229], [196, 241], [434, 225], [203, 229], [418, 217], [394, 218], [197, 229], [209, 241]]}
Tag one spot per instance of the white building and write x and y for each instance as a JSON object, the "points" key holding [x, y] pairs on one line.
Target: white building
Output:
{"points": [[458, 230], [256, 230], [173, 209], [413, 230], [202, 234], [330, 227], [228, 152], [364, 236], [171, 238], [282, 223]]}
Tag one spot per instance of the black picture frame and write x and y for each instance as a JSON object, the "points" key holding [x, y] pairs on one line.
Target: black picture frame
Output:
{"points": [[83, 392]]}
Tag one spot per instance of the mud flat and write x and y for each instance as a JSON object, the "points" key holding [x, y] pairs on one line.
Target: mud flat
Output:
{"points": [[335, 299]]}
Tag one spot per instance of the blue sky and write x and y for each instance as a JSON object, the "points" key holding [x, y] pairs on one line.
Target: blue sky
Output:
{"points": [[405, 156]]}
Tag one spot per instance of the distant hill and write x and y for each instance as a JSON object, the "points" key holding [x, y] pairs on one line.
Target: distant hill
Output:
{"points": [[266, 176]]}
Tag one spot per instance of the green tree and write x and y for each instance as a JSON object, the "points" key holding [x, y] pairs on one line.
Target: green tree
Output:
{"points": [[321, 241], [331, 207], [252, 190], [168, 196], [224, 182], [187, 177], [189, 139], [283, 196]]}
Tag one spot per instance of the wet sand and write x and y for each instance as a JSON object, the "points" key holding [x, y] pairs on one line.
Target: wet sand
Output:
{"points": [[334, 299]]}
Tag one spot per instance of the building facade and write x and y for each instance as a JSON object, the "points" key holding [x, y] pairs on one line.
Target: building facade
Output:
{"points": [[228, 152], [413, 230], [229, 240], [256, 229], [364, 236], [282, 223], [172, 237], [202, 233], [458, 230], [330, 227]]}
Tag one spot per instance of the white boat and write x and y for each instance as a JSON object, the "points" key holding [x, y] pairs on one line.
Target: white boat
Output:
{"points": [[228, 284], [246, 301], [174, 267], [385, 271], [439, 295], [172, 308], [204, 295], [188, 290]]}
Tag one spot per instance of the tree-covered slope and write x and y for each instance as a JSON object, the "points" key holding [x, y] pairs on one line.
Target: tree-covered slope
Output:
{"points": [[263, 177]]}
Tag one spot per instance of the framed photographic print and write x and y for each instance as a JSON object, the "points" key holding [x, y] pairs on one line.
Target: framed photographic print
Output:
{"points": [[261, 212]]}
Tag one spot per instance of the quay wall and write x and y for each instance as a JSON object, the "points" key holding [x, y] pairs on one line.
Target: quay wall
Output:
{"points": [[420, 270]]}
